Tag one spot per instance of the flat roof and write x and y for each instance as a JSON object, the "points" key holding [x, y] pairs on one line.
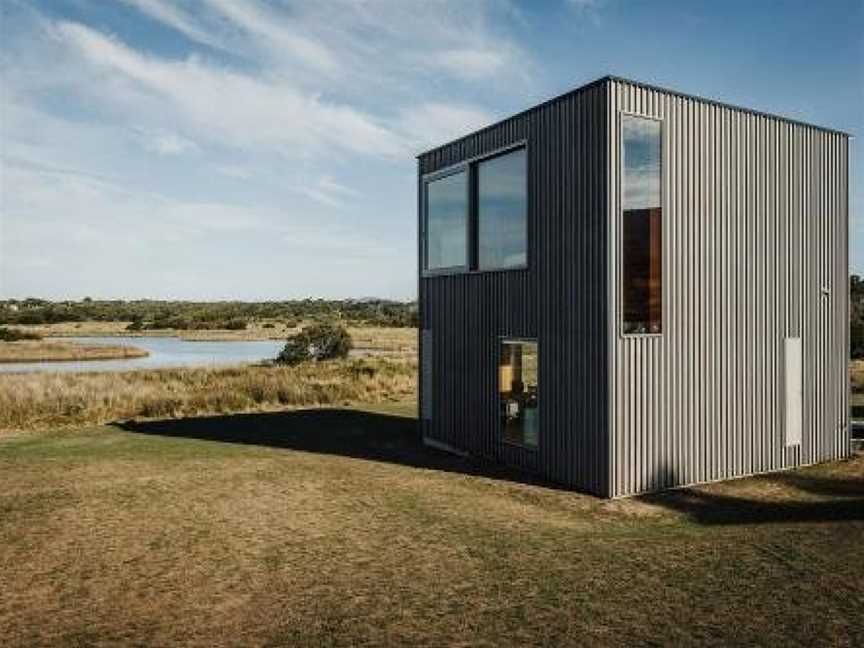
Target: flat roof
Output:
{"points": [[646, 86]]}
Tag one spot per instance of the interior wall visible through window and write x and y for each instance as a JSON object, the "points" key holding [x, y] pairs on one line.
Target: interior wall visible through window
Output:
{"points": [[518, 392], [642, 225]]}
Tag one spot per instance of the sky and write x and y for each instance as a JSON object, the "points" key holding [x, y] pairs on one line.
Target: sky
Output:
{"points": [[231, 149]]}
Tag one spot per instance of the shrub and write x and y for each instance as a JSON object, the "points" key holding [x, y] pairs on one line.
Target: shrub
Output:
{"points": [[323, 341], [13, 335], [235, 324]]}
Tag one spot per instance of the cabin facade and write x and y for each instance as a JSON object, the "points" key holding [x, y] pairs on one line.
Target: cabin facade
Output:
{"points": [[626, 289]]}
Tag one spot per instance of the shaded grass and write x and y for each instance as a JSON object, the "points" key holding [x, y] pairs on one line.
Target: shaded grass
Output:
{"points": [[43, 400], [337, 527]]}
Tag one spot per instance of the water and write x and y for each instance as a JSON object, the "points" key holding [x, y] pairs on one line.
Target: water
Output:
{"points": [[164, 352]]}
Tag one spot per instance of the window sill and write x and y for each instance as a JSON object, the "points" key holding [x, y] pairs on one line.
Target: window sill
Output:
{"points": [[521, 446], [637, 336], [447, 272]]}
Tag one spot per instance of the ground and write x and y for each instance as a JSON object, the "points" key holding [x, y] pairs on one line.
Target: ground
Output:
{"points": [[336, 527]]}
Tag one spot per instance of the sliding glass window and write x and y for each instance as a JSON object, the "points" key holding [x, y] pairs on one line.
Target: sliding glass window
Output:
{"points": [[447, 222], [642, 264], [502, 211]]}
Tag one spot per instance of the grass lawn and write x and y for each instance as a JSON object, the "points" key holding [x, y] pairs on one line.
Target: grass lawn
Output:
{"points": [[336, 527]]}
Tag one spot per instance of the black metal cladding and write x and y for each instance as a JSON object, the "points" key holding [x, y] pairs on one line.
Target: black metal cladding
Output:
{"points": [[560, 300]]}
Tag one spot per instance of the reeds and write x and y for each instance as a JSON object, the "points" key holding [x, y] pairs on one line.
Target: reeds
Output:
{"points": [[47, 400]]}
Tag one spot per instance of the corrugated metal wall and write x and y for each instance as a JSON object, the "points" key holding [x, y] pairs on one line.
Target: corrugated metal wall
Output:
{"points": [[755, 227], [560, 300]]}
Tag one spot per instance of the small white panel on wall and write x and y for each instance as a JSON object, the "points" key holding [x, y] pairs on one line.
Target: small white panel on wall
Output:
{"points": [[794, 391]]}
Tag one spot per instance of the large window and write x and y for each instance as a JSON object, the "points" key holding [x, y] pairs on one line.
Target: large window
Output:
{"points": [[447, 222], [485, 228], [517, 386], [642, 265], [502, 233]]}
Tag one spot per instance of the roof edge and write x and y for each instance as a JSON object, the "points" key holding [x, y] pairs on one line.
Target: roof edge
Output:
{"points": [[611, 78]]}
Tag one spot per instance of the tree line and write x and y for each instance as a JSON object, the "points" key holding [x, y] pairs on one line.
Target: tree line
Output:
{"points": [[183, 315]]}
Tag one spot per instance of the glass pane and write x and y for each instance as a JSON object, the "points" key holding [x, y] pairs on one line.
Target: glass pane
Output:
{"points": [[502, 208], [517, 385], [446, 222], [642, 226]]}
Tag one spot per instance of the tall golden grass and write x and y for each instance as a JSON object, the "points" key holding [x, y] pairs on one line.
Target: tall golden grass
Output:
{"points": [[46, 400]]}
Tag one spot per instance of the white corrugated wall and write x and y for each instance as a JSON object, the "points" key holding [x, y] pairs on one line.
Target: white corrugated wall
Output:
{"points": [[754, 228]]}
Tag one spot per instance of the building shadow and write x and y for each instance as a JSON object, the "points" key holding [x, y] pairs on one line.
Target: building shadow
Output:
{"points": [[358, 434], [844, 501]]}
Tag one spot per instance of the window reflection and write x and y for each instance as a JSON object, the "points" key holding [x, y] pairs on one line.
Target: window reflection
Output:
{"points": [[641, 226], [502, 237], [446, 222], [517, 384]]}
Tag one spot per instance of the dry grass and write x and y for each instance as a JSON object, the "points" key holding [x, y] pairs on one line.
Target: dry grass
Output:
{"points": [[337, 529], [49, 351], [32, 401], [379, 339]]}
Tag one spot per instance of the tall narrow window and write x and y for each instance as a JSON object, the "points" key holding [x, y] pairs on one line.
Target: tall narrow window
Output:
{"points": [[502, 211], [517, 386], [642, 264], [447, 222]]}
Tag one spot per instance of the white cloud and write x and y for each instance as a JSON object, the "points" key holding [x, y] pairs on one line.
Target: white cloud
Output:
{"points": [[169, 144], [435, 123], [233, 171], [245, 110], [327, 191], [278, 35], [473, 63], [177, 19]]}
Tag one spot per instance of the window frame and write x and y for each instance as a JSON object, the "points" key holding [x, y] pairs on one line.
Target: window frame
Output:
{"points": [[511, 339], [469, 166], [619, 266]]}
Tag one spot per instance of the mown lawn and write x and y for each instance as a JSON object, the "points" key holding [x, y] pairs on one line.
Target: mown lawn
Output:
{"points": [[335, 527]]}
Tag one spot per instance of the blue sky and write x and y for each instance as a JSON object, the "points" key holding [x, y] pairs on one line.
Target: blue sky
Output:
{"points": [[217, 149]]}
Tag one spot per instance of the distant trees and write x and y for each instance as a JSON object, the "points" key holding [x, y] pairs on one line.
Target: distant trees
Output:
{"points": [[145, 314], [325, 341]]}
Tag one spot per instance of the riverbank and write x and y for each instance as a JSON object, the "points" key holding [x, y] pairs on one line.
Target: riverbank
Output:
{"points": [[373, 338], [38, 401], [54, 351]]}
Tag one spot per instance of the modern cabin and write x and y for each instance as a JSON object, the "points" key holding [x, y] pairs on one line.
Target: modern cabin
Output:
{"points": [[627, 288]]}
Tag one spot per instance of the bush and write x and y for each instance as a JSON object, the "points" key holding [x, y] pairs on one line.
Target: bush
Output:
{"points": [[235, 324], [323, 341], [13, 335]]}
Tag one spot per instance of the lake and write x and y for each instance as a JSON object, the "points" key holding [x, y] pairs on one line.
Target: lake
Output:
{"points": [[164, 352]]}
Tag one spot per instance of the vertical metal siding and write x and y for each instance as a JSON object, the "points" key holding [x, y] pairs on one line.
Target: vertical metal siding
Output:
{"points": [[755, 226], [560, 300]]}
